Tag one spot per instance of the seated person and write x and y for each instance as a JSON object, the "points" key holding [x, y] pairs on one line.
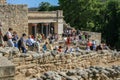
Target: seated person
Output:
{"points": [[71, 49], [60, 49], [66, 50], [77, 49], [30, 42], [45, 47], [99, 47]]}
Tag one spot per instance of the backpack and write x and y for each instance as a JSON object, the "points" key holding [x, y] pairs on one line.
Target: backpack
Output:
{"points": [[19, 44], [5, 38]]}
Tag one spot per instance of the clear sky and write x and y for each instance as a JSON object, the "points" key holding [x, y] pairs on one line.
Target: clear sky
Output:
{"points": [[32, 3]]}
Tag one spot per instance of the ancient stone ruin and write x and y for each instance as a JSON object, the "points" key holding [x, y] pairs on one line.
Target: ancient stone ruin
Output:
{"points": [[101, 65], [52, 65]]}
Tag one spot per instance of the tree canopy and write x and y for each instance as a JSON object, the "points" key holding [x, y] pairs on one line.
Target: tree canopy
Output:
{"points": [[94, 15], [46, 6]]}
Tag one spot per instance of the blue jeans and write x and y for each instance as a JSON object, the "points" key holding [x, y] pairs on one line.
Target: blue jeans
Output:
{"points": [[23, 50], [15, 44]]}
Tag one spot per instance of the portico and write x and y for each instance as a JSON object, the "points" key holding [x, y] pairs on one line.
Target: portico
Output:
{"points": [[45, 22]]}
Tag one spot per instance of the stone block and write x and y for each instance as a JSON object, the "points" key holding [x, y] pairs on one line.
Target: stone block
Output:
{"points": [[29, 58], [18, 60], [7, 69]]}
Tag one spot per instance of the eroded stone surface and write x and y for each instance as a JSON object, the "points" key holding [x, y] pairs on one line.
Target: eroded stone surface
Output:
{"points": [[7, 69]]}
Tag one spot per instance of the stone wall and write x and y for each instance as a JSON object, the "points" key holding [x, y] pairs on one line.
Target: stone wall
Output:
{"points": [[33, 64], [94, 36], [14, 16], [2, 1]]}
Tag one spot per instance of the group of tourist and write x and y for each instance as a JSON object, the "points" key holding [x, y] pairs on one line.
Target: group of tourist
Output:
{"points": [[71, 42]]}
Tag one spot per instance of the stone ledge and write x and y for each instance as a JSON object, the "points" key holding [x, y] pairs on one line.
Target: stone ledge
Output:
{"points": [[7, 68]]}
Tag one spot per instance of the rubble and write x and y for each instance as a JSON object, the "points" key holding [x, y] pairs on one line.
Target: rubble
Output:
{"points": [[82, 65], [97, 73]]}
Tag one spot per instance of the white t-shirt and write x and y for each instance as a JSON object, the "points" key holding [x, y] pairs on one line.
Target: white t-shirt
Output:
{"points": [[9, 35]]}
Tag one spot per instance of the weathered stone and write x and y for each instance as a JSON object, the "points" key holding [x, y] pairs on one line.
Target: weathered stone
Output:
{"points": [[7, 69], [30, 58], [24, 55], [36, 56], [28, 73], [71, 72], [72, 78], [14, 16]]}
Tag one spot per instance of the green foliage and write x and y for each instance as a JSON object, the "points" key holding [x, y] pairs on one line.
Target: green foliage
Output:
{"points": [[95, 15], [45, 6], [81, 12], [111, 30]]}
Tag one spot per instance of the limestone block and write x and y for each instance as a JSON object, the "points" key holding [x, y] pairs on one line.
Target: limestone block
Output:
{"points": [[71, 72], [30, 58], [18, 59], [7, 69], [24, 55], [68, 61], [36, 56]]}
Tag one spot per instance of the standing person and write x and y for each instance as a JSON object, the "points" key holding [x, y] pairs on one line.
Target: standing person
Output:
{"points": [[1, 36], [68, 41], [89, 44], [15, 39], [9, 37], [23, 43]]}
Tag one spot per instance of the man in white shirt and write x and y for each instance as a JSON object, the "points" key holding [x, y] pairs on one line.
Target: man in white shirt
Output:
{"points": [[31, 43], [9, 36]]}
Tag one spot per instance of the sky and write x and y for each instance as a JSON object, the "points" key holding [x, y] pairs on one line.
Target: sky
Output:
{"points": [[32, 3]]}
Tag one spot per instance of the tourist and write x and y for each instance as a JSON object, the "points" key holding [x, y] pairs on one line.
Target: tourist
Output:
{"points": [[50, 47], [45, 47], [99, 47], [43, 36], [32, 36], [78, 49], [89, 45], [60, 49], [9, 37], [104, 46], [93, 45], [66, 50], [71, 49], [37, 45], [56, 37], [68, 41], [1, 36], [15, 38], [30, 42], [23, 43], [39, 37]]}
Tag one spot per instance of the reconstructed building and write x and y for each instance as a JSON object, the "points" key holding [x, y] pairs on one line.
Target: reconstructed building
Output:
{"points": [[45, 22], [21, 20]]}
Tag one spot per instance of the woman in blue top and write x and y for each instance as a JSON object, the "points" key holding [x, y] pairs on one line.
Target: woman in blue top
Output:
{"points": [[15, 39], [45, 47]]}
